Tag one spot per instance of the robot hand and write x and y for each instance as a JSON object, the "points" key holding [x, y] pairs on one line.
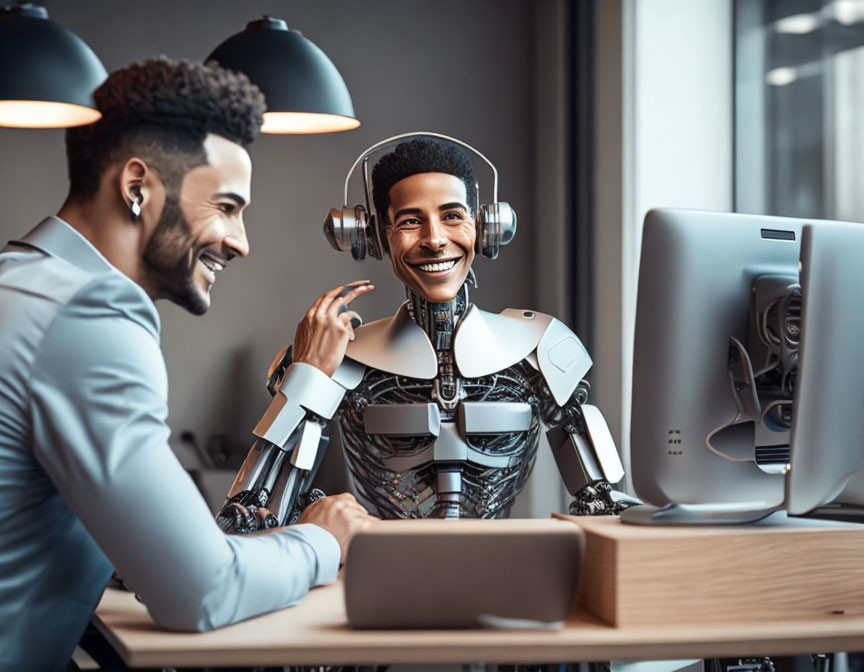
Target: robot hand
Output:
{"points": [[245, 512], [599, 499], [588, 461]]}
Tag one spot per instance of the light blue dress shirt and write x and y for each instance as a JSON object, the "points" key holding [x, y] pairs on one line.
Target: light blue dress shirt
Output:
{"points": [[87, 479]]}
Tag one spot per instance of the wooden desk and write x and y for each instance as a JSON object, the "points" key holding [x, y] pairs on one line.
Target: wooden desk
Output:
{"points": [[316, 632]]}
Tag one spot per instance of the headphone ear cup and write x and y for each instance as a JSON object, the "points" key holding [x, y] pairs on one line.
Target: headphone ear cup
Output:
{"points": [[507, 222], [345, 229], [359, 239], [496, 226], [334, 230]]}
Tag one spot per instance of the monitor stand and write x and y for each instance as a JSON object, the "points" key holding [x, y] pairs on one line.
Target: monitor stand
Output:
{"points": [[841, 513], [698, 514]]}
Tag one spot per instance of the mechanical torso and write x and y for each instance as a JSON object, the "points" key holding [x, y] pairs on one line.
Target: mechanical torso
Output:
{"points": [[421, 438], [454, 474]]}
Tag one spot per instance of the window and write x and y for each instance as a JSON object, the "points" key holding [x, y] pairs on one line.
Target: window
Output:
{"points": [[799, 108]]}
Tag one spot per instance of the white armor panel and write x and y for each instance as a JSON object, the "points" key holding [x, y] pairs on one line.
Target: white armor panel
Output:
{"points": [[563, 360], [395, 345], [303, 388], [603, 443], [349, 374], [486, 343]]}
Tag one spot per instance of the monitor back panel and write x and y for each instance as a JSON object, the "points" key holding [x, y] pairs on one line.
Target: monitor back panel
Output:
{"points": [[695, 279]]}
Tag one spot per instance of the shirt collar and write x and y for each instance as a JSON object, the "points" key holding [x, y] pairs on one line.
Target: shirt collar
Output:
{"points": [[55, 237]]}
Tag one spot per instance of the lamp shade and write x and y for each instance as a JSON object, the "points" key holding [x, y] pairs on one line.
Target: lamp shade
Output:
{"points": [[305, 92], [47, 74]]}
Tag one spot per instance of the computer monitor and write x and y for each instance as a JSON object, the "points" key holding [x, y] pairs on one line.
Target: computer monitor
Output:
{"points": [[718, 369], [828, 426]]}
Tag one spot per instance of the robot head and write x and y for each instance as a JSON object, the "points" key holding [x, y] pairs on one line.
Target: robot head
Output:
{"points": [[363, 229], [418, 156], [425, 199]]}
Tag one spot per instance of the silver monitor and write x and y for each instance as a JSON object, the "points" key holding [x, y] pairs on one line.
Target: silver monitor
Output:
{"points": [[828, 426], [719, 369]]}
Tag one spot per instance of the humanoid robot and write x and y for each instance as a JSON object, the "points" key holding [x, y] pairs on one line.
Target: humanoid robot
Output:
{"points": [[440, 406]]}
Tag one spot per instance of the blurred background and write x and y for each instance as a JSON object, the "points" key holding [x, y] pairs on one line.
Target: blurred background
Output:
{"points": [[593, 111]]}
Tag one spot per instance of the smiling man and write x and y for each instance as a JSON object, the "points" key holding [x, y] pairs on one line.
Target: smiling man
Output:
{"points": [[439, 406], [88, 481]]}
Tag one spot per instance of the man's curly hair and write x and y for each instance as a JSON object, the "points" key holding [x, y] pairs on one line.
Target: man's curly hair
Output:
{"points": [[162, 110], [421, 156]]}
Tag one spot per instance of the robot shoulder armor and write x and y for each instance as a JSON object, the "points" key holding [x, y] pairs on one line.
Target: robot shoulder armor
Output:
{"points": [[486, 343], [395, 345], [563, 360]]}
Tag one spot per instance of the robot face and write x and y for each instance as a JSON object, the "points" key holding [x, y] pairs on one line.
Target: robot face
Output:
{"points": [[431, 233]]}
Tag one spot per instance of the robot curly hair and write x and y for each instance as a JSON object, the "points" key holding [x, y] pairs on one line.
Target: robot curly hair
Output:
{"points": [[162, 110], [421, 156]]}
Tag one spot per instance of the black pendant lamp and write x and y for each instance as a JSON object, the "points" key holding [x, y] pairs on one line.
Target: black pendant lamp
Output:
{"points": [[305, 92], [47, 74]]}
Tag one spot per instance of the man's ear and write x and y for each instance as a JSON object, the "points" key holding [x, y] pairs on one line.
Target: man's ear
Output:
{"points": [[133, 186]]}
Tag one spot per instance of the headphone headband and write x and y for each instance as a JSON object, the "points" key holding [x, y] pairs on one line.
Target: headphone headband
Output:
{"points": [[380, 145]]}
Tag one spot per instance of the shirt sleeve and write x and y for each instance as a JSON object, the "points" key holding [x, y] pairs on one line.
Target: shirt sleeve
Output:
{"points": [[99, 407]]}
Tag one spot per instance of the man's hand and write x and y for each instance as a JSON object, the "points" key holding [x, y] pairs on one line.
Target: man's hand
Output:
{"points": [[323, 334], [341, 515]]}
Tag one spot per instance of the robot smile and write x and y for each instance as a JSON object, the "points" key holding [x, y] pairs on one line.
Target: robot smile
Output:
{"points": [[437, 266]]}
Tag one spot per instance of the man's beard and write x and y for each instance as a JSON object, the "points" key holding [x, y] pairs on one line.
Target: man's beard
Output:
{"points": [[170, 258]]}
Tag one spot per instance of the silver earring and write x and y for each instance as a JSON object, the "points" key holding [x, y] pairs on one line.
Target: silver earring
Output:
{"points": [[135, 207]]}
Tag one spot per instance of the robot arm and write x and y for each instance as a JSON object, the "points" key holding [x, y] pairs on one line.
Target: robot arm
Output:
{"points": [[587, 458], [579, 437], [281, 464]]}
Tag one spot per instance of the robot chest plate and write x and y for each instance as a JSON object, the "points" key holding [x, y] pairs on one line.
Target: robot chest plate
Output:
{"points": [[397, 438]]}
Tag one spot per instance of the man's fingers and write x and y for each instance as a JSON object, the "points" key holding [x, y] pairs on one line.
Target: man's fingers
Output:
{"points": [[355, 506], [339, 305], [327, 297], [315, 306], [342, 301], [339, 292], [356, 283], [345, 318], [347, 294]]}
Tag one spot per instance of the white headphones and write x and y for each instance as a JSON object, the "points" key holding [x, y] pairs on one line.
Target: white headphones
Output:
{"points": [[357, 228]]}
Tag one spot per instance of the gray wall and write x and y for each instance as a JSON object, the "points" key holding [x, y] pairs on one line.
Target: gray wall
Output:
{"points": [[463, 68]]}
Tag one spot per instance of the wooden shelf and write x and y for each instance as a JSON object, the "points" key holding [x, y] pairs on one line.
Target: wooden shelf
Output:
{"points": [[639, 575]]}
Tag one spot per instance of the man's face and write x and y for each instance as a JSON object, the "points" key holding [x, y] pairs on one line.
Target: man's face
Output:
{"points": [[431, 234], [201, 229]]}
